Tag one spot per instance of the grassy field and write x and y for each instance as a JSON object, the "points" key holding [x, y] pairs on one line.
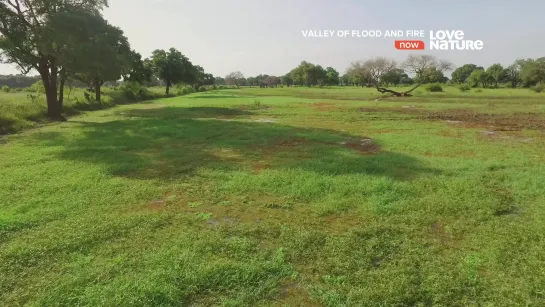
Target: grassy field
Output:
{"points": [[280, 197], [19, 111]]}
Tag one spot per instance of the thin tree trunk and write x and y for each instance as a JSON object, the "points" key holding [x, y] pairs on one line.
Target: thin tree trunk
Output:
{"points": [[168, 88], [97, 90], [61, 87]]}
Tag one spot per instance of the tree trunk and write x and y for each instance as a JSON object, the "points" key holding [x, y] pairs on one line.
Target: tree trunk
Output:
{"points": [[168, 88], [97, 90], [61, 87], [54, 110]]}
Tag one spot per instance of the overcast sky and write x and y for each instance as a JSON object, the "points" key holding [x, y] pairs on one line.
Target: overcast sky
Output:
{"points": [[256, 36]]}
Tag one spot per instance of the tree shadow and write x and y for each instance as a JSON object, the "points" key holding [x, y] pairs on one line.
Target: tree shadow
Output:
{"points": [[208, 96], [171, 143], [190, 112], [7, 125]]}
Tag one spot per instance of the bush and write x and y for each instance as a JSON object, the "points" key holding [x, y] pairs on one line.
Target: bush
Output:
{"points": [[5, 89], [479, 90], [434, 88], [538, 88], [37, 87], [134, 91], [464, 88]]}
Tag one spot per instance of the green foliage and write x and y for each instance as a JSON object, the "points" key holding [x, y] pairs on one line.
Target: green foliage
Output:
{"points": [[173, 67], [332, 76], [308, 74], [464, 87], [186, 91], [394, 77], [496, 73], [538, 88], [461, 74], [5, 89], [479, 77], [134, 91], [532, 71], [140, 70], [434, 87], [33, 97], [37, 87]]}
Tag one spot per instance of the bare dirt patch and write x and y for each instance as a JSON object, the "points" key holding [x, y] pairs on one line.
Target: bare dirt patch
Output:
{"points": [[156, 205], [362, 145], [440, 235], [258, 167], [471, 119], [325, 106], [365, 145], [498, 122]]}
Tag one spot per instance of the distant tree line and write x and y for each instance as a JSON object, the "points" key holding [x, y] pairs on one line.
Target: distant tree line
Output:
{"points": [[415, 70], [69, 43], [522, 73]]}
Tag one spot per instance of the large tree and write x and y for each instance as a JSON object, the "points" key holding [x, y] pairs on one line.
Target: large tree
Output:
{"points": [[234, 78], [332, 76], [308, 74], [496, 73], [513, 73], [107, 56], [141, 70], [462, 73], [394, 76], [358, 73], [26, 39], [425, 67], [172, 67], [479, 77], [533, 71]]}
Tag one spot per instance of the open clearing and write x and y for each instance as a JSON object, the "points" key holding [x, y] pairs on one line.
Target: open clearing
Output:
{"points": [[280, 197]]}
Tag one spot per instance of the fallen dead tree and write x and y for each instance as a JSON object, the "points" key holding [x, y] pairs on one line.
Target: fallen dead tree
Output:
{"points": [[384, 90]]}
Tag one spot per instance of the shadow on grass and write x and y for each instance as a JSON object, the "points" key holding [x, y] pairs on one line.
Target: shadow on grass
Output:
{"points": [[190, 112], [170, 143], [206, 96]]}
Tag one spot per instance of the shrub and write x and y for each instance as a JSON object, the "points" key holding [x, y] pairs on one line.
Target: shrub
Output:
{"points": [[134, 91], [434, 88], [37, 87], [33, 97], [5, 89], [538, 88], [464, 88]]}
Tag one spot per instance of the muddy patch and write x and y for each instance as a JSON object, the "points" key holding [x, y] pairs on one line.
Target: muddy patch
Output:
{"points": [[469, 118], [265, 120], [258, 167], [156, 205], [505, 135], [325, 106], [362, 145], [439, 234], [365, 145], [507, 122]]}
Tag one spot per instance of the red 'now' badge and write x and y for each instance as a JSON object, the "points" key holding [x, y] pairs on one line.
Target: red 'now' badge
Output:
{"points": [[409, 45]]}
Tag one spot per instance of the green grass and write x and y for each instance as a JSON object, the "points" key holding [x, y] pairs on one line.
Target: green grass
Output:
{"points": [[18, 111], [282, 197]]}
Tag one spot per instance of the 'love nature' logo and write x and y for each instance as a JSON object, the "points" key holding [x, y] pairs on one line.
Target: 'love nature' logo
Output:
{"points": [[442, 40]]}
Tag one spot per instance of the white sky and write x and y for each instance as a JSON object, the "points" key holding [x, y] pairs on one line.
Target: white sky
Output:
{"points": [[257, 36]]}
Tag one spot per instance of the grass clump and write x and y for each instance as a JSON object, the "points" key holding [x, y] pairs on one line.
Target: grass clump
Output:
{"points": [[434, 88]]}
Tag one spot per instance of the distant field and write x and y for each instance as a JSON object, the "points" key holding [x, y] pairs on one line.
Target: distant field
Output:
{"points": [[279, 197]]}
